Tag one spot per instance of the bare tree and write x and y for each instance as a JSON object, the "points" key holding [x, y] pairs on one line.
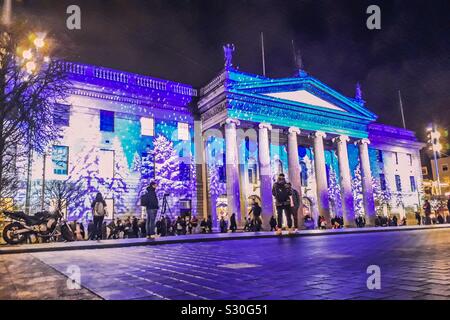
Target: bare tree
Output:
{"points": [[31, 87], [60, 194]]}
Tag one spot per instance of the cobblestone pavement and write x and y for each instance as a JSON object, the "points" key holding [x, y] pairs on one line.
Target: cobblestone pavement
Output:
{"points": [[23, 276], [414, 265]]}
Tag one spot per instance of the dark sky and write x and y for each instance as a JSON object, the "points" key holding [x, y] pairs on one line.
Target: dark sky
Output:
{"points": [[182, 40]]}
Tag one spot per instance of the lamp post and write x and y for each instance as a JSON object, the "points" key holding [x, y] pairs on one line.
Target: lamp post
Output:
{"points": [[436, 147], [30, 60]]}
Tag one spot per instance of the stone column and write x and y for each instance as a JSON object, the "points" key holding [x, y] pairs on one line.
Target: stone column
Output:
{"points": [[345, 180], [321, 176], [232, 168], [265, 174], [201, 170], [366, 174], [294, 169]]}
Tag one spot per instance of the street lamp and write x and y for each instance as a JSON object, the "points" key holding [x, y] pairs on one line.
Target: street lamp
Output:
{"points": [[30, 59], [433, 136]]}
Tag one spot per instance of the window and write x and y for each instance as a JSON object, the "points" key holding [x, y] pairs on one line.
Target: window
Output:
{"points": [[380, 156], [412, 182], [398, 183], [424, 171], [61, 115], [252, 172], [106, 164], [396, 157], [382, 182], [304, 174], [222, 174], [106, 121], [60, 160], [410, 159], [445, 167], [185, 171], [147, 127], [222, 170], [183, 131]]}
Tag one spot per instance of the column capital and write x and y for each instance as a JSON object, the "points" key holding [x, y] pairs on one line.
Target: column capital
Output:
{"points": [[294, 130], [341, 138], [318, 134], [265, 125], [362, 141], [232, 121]]}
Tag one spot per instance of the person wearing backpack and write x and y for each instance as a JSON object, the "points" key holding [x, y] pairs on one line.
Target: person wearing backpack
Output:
{"points": [[98, 212], [150, 201], [282, 194]]}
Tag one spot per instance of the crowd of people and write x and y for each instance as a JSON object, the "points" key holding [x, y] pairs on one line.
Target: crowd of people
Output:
{"points": [[287, 203]]}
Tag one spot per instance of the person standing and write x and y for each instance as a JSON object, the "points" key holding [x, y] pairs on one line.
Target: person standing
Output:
{"points": [[233, 224], [256, 211], [448, 208], [282, 194], [150, 202], [273, 223], [427, 210], [98, 212], [418, 218], [295, 205]]}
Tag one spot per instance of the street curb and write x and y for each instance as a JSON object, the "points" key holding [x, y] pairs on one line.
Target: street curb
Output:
{"points": [[108, 244]]}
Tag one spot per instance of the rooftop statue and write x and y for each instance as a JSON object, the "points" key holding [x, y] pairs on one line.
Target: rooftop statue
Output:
{"points": [[228, 50]]}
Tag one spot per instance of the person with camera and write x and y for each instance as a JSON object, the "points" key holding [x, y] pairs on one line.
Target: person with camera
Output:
{"points": [[149, 200]]}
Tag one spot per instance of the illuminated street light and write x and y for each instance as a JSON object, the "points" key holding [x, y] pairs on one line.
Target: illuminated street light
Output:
{"points": [[27, 54], [39, 42]]}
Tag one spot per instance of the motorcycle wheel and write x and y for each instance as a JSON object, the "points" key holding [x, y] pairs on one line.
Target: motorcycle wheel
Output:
{"points": [[10, 237]]}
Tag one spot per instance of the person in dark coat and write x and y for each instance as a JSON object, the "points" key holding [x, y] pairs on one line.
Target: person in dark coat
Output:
{"points": [[99, 212], [256, 211], [233, 224], [273, 223], [135, 228], [295, 205], [223, 225], [427, 210], [282, 194], [209, 224], [150, 202], [418, 218]]}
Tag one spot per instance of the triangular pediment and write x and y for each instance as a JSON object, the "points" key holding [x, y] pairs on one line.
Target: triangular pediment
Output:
{"points": [[303, 92], [303, 96]]}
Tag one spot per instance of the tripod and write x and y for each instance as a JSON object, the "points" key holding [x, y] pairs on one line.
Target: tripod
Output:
{"points": [[165, 206]]}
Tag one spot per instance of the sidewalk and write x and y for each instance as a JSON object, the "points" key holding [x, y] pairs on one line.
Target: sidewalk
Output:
{"points": [[79, 245]]}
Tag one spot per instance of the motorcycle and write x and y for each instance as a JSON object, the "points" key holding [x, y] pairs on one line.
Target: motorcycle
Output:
{"points": [[43, 224]]}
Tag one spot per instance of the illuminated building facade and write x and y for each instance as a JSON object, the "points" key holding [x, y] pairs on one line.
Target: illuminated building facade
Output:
{"points": [[221, 146]]}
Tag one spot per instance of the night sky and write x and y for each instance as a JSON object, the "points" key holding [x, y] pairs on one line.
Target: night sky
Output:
{"points": [[181, 40]]}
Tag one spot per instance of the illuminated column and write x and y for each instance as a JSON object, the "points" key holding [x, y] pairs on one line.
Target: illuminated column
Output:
{"points": [[232, 168], [369, 206], [294, 168], [345, 180], [201, 170], [321, 176], [265, 173]]}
